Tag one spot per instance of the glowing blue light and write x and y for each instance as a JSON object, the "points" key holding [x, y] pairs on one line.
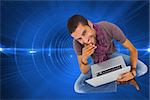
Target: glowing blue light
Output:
{"points": [[71, 56], [32, 51], [1, 49], [49, 54], [148, 49]]}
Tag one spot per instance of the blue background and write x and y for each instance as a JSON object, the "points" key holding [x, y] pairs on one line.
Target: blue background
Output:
{"points": [[38, 60]]}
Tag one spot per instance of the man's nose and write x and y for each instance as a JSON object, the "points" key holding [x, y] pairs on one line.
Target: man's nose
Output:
{"points": [[86, 40]]}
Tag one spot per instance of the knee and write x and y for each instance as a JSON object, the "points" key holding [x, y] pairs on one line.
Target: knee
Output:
{"points": [[145, 69], [77, 88], [142, 70]]}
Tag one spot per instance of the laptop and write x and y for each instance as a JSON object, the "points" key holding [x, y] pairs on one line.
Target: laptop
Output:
{"points": [[107, 71]]}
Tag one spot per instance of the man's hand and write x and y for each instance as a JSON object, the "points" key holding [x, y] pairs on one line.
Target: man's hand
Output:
{"points": [[82, 59], [87, 51], [125, 77]]}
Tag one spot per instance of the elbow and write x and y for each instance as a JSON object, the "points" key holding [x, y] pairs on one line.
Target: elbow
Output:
{"points": [[134, 50], [84, 72], [83, 69]]}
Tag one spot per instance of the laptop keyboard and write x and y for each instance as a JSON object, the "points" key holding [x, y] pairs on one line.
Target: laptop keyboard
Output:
{"points": [[109, 70]]}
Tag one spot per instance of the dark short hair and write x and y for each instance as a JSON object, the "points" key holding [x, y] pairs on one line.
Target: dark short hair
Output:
{"points": [[74, 21]]}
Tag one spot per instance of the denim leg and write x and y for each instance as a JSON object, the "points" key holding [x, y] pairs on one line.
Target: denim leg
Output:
{"points": [[141, 67], [80, 83], [81, 86]]}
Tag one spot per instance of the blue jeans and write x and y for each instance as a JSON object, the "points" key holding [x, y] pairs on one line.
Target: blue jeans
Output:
{"points": [[81, 86]]}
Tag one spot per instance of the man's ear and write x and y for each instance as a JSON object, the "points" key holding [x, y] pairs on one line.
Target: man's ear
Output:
{"points": [[90, 24]]}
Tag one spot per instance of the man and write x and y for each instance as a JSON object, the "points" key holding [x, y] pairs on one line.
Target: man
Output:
{"points": [[96, 40]]}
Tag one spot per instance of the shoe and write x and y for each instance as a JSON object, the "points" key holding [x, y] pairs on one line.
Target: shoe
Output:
{"points": [[134, 83], [131, 82]]}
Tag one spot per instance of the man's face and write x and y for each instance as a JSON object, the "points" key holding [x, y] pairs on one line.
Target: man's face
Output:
{"points": [[84, 34]]}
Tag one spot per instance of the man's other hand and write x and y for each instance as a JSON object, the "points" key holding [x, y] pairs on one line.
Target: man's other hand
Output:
{"points": [[125, 77]]}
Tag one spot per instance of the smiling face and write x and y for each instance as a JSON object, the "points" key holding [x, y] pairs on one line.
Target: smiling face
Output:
{"points": [[84, 34]]}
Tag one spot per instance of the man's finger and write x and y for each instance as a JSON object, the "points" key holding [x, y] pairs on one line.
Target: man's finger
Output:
{"points": [[91, 50], [121, 80], [87, 46], [124, 73], [119, 77]]}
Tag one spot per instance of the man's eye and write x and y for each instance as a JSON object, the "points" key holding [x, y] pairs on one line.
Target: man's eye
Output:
{"points": [[84, 32], [79, 39]]}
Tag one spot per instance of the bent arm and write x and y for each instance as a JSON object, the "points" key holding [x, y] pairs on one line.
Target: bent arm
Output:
{"points": [[133, 54]]}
